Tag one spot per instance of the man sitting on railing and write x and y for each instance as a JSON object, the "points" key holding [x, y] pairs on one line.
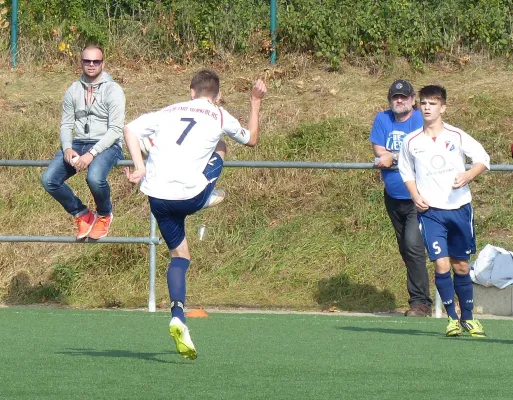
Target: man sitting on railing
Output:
{"points": [[182, 168], [94, 109]]}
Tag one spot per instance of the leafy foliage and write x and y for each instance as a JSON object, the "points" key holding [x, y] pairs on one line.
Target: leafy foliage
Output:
{"points": [[180, 30]]}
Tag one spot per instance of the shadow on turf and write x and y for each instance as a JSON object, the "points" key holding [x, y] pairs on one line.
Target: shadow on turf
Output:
{"points": [[339, 291], [416, 332], [120, 354], [22, 290]]}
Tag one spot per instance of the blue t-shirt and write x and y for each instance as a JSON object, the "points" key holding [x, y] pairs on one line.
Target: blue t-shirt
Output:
{"points": [[389, 133]]}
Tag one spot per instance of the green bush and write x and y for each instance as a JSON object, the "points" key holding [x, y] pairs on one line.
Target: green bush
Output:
{"points": [[332, 29]]}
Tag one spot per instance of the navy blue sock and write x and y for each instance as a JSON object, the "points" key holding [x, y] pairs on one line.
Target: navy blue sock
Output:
{"points": [[176, 285], [443, 283], [465, 292]]}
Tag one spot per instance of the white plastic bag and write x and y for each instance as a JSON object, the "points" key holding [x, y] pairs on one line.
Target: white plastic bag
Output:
{"points": [[502, 271], [493, 267]]}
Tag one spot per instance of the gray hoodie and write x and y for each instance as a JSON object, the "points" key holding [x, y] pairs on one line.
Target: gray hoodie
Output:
{"points": [[105, 116]]}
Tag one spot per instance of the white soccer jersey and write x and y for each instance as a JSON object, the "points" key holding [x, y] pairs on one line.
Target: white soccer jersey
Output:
{"points": [[185, 136], [433, 163]]}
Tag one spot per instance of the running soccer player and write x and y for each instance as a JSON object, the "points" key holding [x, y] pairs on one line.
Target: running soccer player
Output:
{"points": [[432, 165], [182, 169]]}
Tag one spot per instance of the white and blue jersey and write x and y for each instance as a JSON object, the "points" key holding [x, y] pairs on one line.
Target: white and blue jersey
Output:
{"points": [[184, 137], [389, 133], [182, 167], [434, 162]]}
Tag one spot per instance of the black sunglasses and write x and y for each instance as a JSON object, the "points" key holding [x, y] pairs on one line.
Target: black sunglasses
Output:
{"points": [[96, 63]]}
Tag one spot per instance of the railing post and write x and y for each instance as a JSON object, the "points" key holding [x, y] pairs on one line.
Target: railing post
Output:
{"points": [[273, 31], [153, 264], [438, 305], [14, 32]]}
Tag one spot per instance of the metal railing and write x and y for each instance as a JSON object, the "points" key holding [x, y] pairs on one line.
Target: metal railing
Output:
{"points": [[152, 240]]}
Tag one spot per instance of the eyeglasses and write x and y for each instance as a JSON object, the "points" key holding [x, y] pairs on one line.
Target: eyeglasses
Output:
{"points": [[96, 63]]}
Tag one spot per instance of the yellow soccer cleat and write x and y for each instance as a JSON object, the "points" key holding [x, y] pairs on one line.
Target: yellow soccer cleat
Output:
{"points": [[474, 327], [453, 328], [180, 334]]}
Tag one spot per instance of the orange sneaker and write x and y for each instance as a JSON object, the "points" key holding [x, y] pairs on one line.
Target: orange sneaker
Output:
{"points": [[85, 224], [101, 227]]}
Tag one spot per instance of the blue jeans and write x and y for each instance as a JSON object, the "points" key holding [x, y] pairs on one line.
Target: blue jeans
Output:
{"points": [[59, 171]]}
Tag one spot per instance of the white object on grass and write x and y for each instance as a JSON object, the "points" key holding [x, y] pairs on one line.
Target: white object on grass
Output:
{"points": [[202, 231], [493, 267]]}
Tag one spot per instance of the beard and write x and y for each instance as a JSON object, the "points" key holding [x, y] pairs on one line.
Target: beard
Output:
{"points": [[402, 111]]}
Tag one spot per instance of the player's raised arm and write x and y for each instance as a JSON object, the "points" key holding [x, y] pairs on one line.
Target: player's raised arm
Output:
{"points": [[232, 127], [257, 93]]}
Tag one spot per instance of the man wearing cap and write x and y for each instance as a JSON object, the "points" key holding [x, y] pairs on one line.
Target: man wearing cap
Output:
{"points": [[387, 134]]}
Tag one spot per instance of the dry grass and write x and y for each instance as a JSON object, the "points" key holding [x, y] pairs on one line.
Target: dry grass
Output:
{"points": [[283, 238]]}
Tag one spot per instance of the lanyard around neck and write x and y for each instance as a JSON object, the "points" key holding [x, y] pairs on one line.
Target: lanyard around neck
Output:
{"points": [[89, 98]]}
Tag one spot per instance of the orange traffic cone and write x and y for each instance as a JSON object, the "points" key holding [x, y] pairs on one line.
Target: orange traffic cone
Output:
{"points": [[197, 313]]}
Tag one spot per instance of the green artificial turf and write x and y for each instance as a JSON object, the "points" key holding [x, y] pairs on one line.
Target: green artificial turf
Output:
{"points": [[73, 354]]}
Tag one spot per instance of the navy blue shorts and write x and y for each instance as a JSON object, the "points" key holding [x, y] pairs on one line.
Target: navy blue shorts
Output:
{"points": [[170, 214], [448, 233]]}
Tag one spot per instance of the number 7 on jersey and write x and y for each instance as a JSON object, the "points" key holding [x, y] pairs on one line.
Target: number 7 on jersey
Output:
{"points": [[186, 130]]}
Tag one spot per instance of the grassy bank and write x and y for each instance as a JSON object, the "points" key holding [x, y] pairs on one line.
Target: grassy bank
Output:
{"points": [[283, 238]]}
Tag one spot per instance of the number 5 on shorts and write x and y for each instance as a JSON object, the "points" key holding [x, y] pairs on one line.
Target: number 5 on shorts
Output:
{"points": [[186, 130], [437, 248]]}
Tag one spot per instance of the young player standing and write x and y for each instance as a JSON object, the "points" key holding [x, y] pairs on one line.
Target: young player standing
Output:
{"points": [[181, 171], [432, 165]]}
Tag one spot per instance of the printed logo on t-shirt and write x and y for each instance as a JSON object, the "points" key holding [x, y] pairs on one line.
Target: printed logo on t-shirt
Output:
{"points": [[438, 162], [449, 146], [395, 140], [440, 166]]}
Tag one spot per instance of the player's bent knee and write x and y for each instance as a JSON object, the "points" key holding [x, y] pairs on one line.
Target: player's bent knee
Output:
{"points": [[460, 266], [182, 250]]}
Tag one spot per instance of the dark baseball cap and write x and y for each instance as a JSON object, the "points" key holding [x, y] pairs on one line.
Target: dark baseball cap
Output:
{"points": [[401, 87]]}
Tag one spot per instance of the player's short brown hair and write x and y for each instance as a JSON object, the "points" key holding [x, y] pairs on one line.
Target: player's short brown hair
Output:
{"points": [[433, 92], [206, 83]]}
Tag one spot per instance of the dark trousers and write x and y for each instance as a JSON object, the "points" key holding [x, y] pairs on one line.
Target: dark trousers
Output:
{"points": [[403, 216]]}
